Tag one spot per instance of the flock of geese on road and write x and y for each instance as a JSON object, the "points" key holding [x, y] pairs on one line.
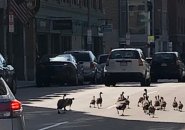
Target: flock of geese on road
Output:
{"points": [[122, 103]]}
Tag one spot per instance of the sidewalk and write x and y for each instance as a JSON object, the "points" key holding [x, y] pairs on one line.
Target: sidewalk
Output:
{"points": [[22, 84]]}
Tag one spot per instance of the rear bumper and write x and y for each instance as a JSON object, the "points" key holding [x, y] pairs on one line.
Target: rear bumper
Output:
{"points": [[88, 76], [166, 74], [124, 77]]}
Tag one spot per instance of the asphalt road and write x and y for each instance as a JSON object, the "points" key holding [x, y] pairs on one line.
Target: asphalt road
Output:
{"points": [[41, 114]]}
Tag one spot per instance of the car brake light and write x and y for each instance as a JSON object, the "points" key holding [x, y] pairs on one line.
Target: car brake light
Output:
{"points": [[12, 108], [140, 62], [15, 105]]}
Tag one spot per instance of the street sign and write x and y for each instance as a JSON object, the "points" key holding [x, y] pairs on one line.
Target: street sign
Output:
{"points": [[100, 32], [11, 22], [150, 39], [107, 28], [89, 36], [127, 38]]}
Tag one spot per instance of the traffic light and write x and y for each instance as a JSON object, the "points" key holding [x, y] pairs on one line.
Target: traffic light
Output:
{"points": [[149, 6]]}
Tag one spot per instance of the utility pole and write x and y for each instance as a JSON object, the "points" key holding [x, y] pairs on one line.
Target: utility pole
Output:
{"points": [[89, 31], [127, 37], [5, 29], [149, 10]]}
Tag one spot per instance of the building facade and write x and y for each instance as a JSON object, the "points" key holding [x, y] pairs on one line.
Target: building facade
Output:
{"points": [[111, 35], [63, 25], [177, 24], [58, 26]]}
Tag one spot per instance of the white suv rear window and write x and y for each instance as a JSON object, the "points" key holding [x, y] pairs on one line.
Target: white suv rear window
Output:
{"points": [[126, 54]]}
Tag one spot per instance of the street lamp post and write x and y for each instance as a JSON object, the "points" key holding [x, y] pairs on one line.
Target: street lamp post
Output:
{"points": [[89, 31]]}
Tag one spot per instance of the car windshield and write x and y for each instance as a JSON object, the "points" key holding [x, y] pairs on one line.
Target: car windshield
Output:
{"points": [[103, 59], [61, 58], [79, 56], [164, 56], [46, 58], [126, 54]]}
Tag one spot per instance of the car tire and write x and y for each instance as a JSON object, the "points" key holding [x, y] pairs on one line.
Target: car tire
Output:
{"points": [[113, 84], [181, 78], [154, 80], [39, 83], [107, 81], [75, 80], [145, 82]]}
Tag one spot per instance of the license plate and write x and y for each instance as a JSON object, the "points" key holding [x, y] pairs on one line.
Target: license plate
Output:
{"points": [[163, 64], [123, 63]]}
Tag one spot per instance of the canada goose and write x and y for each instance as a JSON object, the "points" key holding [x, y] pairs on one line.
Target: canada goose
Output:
{"points": [[145, 92], [151, 109], [163, 104], [99, 100], [127, 101], [121, 97], [146, 104], [69, 102], [157, 103], [180, 106], [141, 99], [93, 101], [175, 104], [61, 104], [121, 106]]}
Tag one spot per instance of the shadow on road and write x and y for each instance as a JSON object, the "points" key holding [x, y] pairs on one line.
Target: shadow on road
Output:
{"points": [[48, 119]]}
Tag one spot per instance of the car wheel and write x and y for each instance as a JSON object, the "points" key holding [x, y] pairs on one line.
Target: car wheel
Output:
{"points": [[154, 80], [75, 80], [81, 81], [39, 83], [114, 84], [107, 81], [181, 78], [145, 82], [148, 82]]}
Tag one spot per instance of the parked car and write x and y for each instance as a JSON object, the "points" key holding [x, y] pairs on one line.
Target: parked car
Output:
{"points": [[89, 62], [11, 111], [102, 59], [149, 60], [59, 69], [7, 72], [127, 65], [167, 65]]}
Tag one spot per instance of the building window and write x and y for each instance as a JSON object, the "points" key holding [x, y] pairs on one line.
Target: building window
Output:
{"points": [[94, 4], [100, 4], [84, 3], [178, 25]]}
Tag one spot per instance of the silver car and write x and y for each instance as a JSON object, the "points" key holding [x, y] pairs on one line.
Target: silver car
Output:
{"points": [[89, 62], [11, 111]]}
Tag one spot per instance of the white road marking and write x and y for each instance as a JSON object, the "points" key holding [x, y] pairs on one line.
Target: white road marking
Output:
{"points": [[152, 92], [55, 125], [111, 106]]}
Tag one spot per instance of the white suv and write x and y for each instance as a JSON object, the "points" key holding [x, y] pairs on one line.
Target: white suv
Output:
{"points": [[127, 65]]}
